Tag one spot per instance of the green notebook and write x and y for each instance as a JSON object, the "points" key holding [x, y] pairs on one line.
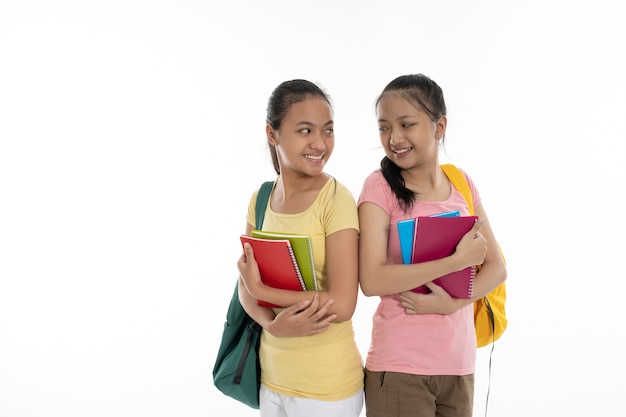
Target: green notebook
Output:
{"points": [[303, 250]]}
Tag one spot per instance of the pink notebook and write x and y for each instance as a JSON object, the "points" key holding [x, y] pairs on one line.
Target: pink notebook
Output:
{"points": [[436, 238]]}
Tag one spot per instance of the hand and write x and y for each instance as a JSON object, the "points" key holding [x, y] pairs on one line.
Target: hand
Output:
{"points": [[303, 319], [437, 302], [472, 247], [249, 270]]}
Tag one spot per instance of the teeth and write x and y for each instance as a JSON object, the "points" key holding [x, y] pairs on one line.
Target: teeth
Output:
{"points": [[402, 150], [317, 158]]}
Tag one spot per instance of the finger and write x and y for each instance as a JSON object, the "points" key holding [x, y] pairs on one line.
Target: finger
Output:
{"points": [[248, 255], [318, 330], [322, 311], [310, 308], [436, 291], [297, 307], [314, 304], [403, 295], [247, 250], [325, 323], [242, 261], [476, 227], [433, 287], [410, 296]]}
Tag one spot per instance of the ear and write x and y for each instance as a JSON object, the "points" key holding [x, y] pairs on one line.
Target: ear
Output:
{"points": [[271, 135], [440, 127]]}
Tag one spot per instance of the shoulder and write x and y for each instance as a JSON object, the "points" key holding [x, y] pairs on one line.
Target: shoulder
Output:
{"points": [[336, 207], [472, 186], [375, 178], [468, 178], [376, 190], [267, 185], [375, 183], [254, 197], [335, 190]]}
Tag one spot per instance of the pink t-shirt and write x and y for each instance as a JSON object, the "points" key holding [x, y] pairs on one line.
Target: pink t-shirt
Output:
{"points": [[427, 344]]}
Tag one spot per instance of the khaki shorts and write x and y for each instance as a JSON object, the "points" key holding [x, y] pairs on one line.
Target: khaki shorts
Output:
{"points": [[393, 394]]}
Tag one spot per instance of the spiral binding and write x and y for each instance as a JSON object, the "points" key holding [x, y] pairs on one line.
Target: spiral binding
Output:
{"points": [[296, 267], [471, 285]]}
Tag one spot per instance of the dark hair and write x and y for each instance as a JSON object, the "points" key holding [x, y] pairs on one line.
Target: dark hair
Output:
{"points": [[426, 95], [282, 98]]}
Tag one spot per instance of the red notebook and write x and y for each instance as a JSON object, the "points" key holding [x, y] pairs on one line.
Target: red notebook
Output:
{"points": [[277, 264], [436, 238]]}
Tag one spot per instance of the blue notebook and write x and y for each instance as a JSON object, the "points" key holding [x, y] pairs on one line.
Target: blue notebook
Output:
{"points": [[406, 233]]}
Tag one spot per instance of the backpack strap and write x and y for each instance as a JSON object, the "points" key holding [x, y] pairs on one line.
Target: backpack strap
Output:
{"points": [[460, 183], [261, 202]]}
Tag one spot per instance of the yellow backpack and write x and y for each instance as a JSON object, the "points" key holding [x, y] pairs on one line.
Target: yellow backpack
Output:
{"points": [[489, 313]]}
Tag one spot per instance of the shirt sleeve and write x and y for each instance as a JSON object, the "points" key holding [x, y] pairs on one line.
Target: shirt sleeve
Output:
{"points": [[473, 189], [341, 212], [376, 190], [251, 214]]}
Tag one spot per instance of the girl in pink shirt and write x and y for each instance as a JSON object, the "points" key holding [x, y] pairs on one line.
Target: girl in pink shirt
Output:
{"points": [[422, 354]]}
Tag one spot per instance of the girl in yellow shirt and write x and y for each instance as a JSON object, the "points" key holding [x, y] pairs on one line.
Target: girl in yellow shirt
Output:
{"points": [[310, 363]]}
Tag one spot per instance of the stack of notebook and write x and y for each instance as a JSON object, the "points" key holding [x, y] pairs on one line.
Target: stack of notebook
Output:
{"points": [[428, 238], [285, 260]]}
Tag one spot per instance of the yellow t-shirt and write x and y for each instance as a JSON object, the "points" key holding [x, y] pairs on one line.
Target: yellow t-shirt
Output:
{"points": [[326, 366]]}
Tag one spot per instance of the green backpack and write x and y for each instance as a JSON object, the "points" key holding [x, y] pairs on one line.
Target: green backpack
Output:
{"points": [[237, 372]]}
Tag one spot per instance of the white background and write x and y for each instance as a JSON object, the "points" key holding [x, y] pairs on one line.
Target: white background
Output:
{"points": [[132, 135]]}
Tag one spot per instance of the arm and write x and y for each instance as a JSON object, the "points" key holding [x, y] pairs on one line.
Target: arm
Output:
{"points": [[342, 265], [492, 273], [379, 278], [305, 317], [493, 270], [301, 319], [342, 270]]}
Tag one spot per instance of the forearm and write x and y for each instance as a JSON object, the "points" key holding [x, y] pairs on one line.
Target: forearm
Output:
{"points": [[386, 279], [344, 302], [493, 269], [487, 279], [262, 315]]}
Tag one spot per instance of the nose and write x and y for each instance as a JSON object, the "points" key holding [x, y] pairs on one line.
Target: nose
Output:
{"points": [[394, 139], [318, 142]]}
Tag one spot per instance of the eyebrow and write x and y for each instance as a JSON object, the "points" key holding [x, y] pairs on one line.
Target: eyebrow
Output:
{"points": [[307, 123], [405, 116]]}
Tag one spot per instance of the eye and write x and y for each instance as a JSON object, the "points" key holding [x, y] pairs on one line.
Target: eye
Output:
{"points": [[305, 131], [330, 131], [382, 128], [408, 125]]}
